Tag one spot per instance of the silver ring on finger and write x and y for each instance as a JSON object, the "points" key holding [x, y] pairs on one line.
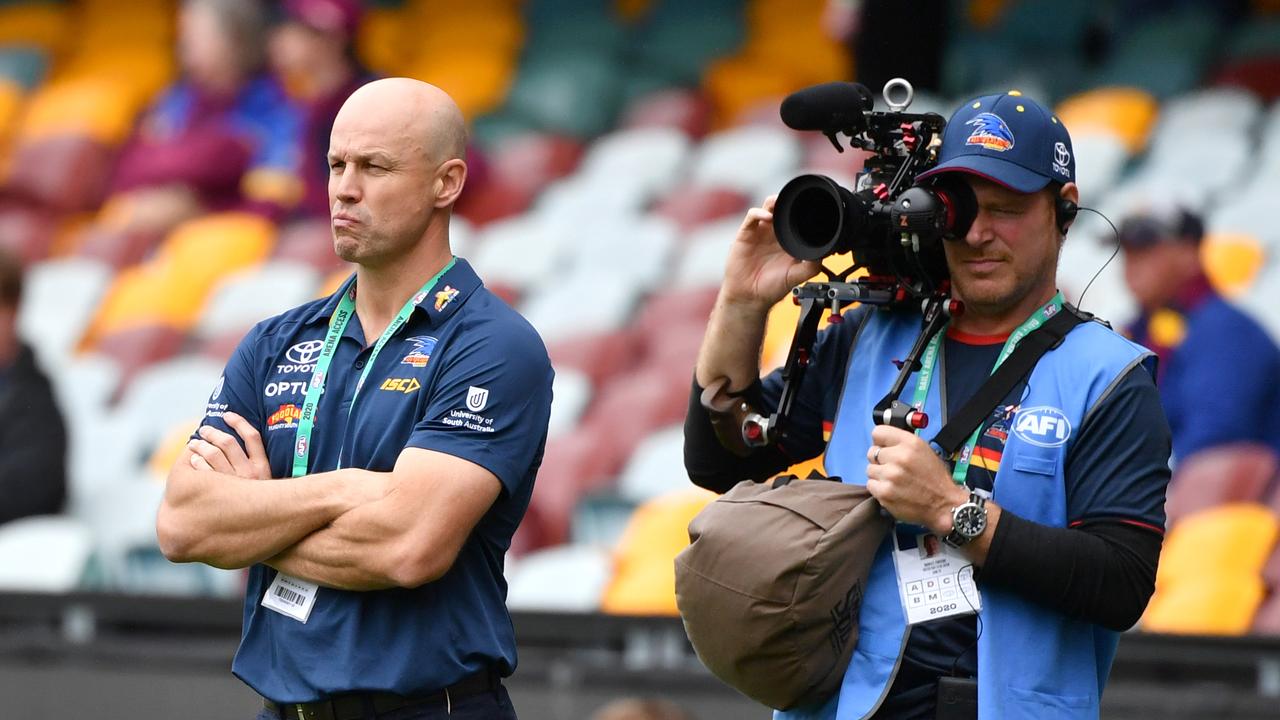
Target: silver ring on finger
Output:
{"points": [[875, 457]]}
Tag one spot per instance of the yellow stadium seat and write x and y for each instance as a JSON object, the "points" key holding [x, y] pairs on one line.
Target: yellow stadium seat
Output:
{"points": [[632, 11], [138, 71], [644, 580], [1232, 261], [740, 84], [334, 281], [88, 106], [170, 447], [1236, 538], [37, 23], [139, 297], [468, 29], [11, 96], [380, 40], [1127, 113], [1215, 603], [171, 289], [478, 81]]}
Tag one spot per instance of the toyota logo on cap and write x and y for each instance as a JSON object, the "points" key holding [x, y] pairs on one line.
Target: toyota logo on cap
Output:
{"points": [[305, 352]]}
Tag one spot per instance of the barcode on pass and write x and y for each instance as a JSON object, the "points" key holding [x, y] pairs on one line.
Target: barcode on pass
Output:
{"points": [[288, 595]]}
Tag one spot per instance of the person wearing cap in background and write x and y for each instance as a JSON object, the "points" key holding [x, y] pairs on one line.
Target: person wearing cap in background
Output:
{"points": [[311, 54], [33, 437], [1062, 500], [1218, 367]]}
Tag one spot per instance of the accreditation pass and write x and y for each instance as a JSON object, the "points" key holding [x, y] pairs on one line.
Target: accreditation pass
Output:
{"points": [[291, 596], [935, 580]]}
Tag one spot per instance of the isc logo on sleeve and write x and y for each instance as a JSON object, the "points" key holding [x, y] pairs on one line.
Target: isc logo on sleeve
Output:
{"points": [[1044, 426]]}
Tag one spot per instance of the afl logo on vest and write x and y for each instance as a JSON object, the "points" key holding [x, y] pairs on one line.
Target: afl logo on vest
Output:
{"points": [[1044, 426]]}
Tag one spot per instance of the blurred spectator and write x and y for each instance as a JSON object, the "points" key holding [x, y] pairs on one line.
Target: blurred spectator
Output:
{"points": [[1218, 368], [637, 709], [33, 439], [224, 136], [311, 55]]}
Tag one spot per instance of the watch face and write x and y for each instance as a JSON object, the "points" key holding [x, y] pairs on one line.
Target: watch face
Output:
{"points": [[970, 520]]}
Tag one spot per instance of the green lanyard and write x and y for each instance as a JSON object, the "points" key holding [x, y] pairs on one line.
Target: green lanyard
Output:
{"points": [[930, 358], [338, 324]]}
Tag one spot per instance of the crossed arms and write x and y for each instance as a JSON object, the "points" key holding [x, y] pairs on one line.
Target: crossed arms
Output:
{"points": [[350, 529]]}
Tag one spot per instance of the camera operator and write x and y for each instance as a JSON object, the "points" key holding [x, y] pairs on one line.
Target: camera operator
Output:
{"points": [[1068, 473]]}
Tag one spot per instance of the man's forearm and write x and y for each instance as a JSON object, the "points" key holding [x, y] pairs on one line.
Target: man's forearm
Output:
{"points": [[327, 558], [731, 345], [230, 522]]}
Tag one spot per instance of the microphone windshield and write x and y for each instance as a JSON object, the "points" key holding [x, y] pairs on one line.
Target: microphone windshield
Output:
{"points": [[828, 107]]}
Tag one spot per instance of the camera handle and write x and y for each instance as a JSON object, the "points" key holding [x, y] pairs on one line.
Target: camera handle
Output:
{"points": [[938, 309]]}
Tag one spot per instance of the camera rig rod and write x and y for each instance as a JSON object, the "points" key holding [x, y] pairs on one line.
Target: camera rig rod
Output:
{"points": [[892, 411]]}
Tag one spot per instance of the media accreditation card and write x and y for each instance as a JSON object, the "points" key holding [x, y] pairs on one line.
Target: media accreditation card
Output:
{"points": [[291, 596], [935, 580]]}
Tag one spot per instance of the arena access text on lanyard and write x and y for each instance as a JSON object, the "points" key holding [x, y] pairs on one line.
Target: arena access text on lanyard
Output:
{"points": [[930, 357], [290, 596]]}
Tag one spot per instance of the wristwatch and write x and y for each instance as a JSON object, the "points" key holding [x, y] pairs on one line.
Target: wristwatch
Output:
{"points": [[968, 521]]}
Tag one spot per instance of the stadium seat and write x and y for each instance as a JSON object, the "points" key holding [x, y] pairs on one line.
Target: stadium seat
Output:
{"points": [[22, 67], [1232, 261], [477, 79], [570, 92], [1218, 603], [531, 161], [600, 518], [746, 158], [1260, 76], [685, 110], [1267, 620], [43, 24], [381, 43], [573, 465], [67, 172], [1233, 538], [566, 578], [588, 301], [1258, 38], [677, 40], [136, 347], [1128, 113], [689, 207], [44, 554], [673, 307], [27, 230], [705, 252], [598, 356], [89, 107], [59, 299], [1100, 159], [1217, 476], [635, 248], [308, 241], [571, 391], [626, 410], [519, 252], [123, 518], [643, 581], [650, 158], [248, 296], [656, 467]]}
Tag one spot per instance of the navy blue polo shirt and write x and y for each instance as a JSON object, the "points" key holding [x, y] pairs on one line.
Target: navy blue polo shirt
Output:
{"points": [[467, 376]]}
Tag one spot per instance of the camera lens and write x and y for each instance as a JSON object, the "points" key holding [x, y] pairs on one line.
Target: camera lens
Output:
{"points": [[815, 217]]}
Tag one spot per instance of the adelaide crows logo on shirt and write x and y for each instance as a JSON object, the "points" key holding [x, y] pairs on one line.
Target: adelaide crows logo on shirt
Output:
{"points": [[990, 132], [421, 353]]}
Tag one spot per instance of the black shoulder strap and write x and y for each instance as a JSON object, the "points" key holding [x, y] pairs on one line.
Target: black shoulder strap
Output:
{"points": [[1011, 371]]}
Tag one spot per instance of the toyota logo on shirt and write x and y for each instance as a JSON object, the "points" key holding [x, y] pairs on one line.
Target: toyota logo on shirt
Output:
{"points": [[305, 353]]}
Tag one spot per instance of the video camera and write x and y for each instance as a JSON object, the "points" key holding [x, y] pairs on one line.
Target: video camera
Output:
{"points": [[892, 227]]}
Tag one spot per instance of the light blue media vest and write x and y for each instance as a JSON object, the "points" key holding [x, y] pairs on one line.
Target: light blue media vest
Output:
{"points": [[1032, 662]]}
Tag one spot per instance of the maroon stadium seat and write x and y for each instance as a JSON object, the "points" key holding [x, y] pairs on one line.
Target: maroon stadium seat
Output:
{"points": [[309, 242], [1260, 75], [686, 110], [1271, 571], [675, 307], [1267, 621], [116, 247], [689, 207], [572, 466], [495, 200], [600, 357], [27, 231], [136, 348], [820, 157], [1231, 473], [533, 161], [65, 172]]}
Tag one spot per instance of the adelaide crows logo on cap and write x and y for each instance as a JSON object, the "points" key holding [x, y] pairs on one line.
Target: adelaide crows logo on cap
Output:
{"points": [[990, 132]]}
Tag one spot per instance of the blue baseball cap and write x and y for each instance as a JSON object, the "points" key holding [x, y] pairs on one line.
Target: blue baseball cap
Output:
{"points": [[1009, 139]]}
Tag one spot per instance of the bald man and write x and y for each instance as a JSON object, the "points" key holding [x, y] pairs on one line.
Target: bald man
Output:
{"points": [[369, 455]]}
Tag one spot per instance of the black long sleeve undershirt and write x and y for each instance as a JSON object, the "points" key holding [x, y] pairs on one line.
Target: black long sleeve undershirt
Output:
{"points": [[1102, 571]]}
